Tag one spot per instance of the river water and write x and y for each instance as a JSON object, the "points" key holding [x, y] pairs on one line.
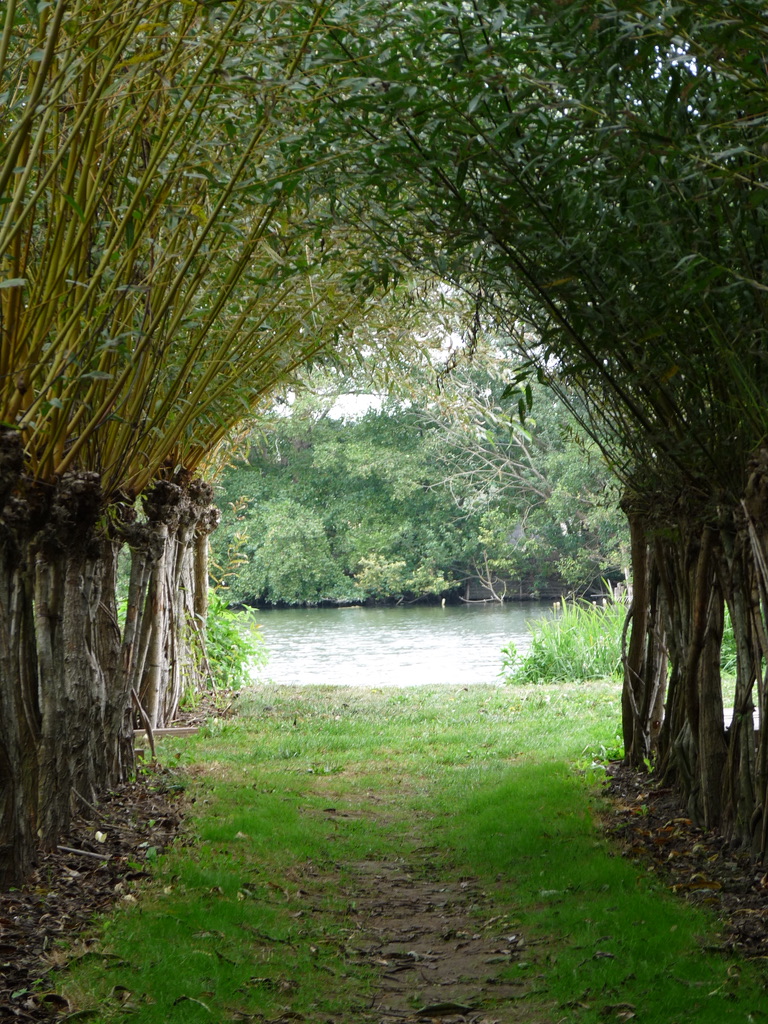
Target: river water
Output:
{"points": [[404, 646]]}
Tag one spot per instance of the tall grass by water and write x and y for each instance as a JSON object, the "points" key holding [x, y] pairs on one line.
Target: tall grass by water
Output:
{"points": [[581, 641]]}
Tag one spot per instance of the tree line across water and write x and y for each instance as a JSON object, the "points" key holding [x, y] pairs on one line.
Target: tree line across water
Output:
{"points": [[196, 200], [440, 496]]}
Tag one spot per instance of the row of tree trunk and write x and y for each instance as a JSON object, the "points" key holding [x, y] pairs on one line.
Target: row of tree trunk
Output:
{"points": [[688, 572], [76, 673]]}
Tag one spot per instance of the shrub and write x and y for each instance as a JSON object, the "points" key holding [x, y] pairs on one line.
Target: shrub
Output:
{"points": [[582, 642], [234, 645]]}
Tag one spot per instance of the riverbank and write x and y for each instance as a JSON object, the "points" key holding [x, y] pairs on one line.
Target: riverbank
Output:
{"points": [[348, 845]]}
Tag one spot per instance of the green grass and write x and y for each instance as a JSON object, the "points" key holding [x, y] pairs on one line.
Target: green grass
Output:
{"points": [[582, 642], [496, 782]]}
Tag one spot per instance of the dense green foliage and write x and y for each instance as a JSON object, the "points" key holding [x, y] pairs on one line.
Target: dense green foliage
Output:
{"points": [[328, 511], [415, 501], [594, 174], [581, 642], [234, 646]]}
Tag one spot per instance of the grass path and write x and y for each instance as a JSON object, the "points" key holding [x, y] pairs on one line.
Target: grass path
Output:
{"points": [[426, 854]]}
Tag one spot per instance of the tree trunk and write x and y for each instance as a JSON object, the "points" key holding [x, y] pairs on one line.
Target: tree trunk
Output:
{"points": [[19, 713], [156, 618], [118, 720], [67, 677], [645, 659], [656, 660], [59, 742], [755, 520], [670, 562], [75, 645], [634, 676], [19, 718], [741, 813], [179, 518], [713, 752], [692, 750]]}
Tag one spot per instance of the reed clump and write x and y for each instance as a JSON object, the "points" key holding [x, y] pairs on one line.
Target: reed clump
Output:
{"points": [[581, 641]]}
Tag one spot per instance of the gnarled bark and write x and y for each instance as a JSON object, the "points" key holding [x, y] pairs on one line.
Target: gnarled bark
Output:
{"points": [[645, 657], [19, 716], [60, 738], [179, 519]]}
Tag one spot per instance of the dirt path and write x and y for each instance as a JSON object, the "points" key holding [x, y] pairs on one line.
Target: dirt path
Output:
{"points": [[441, 952], [444, 948]]}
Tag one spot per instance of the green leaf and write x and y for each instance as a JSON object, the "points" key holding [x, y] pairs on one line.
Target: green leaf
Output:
{"points": [[76, 207], [13, 282]]}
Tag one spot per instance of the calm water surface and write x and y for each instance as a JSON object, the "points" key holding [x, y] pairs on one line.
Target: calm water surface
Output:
{"points": [[393, 646]]}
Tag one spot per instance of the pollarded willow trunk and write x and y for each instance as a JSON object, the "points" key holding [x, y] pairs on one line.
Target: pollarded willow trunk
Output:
{"points": [[754, 641], [179, 517], [207, 523], [77, 649], [655, 662], [692, 749], [742, 811], [689, 566], [645, 657], [19, 713], [198, 613], [62, 719], [712, 747], [19, 719], [110, 643]]}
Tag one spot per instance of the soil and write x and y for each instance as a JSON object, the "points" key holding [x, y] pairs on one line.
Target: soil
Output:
{"points": [[441, 953], [650, 827]]}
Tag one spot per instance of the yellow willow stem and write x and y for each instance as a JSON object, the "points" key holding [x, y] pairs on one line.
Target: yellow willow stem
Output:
{"points": [[207, 392], [43, 66], [114, 392], [84, 319], [139, 479], [262, 368], [15, 223], [7, 236], [108, 252], [224, 293], [10, 18], [101, 85], [66, 241], [135, 393]]}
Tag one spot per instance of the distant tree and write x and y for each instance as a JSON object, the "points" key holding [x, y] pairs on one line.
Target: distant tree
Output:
{"points": [[431, 491], [548, 501]]}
